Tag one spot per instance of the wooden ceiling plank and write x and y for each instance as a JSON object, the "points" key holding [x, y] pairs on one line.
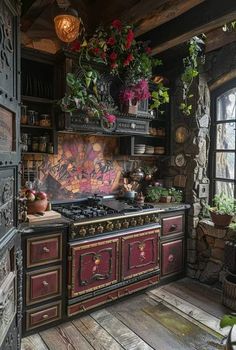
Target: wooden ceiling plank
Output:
{"points": [[35, 10], [200, 19], [217, 38], [149, 14]]}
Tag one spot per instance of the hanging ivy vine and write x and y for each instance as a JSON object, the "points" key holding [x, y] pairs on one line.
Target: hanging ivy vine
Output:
{"points": [[191, 70]]}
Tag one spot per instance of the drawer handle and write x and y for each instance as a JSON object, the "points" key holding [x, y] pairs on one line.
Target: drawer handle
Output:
{"points": [[46, 250], [126, 291], [173, 227], [45, 283], [83, 307], [110, 297], [151, 282], [45, 316]]}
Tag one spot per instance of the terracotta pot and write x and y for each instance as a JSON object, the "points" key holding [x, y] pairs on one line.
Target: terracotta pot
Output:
{"points": [[37, 206], [130, 107], [221, 220], [165, 199]]}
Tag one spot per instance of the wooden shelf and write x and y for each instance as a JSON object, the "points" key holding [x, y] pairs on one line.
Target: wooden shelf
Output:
{"points": [[37, 99], [147, 155], [36, 153], [36, 127], [152, 136]]}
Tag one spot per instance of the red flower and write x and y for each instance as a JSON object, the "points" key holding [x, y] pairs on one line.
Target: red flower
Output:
{"points": [[111, 41], [75, 46], [96, 50], [129, 38], [128, 59], [113, 56], [148, 50], [116, 24]]}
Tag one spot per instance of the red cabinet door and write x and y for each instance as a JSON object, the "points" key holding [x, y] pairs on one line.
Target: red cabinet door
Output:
{"points": [[139, 253], [172, 257], [93, 266]]}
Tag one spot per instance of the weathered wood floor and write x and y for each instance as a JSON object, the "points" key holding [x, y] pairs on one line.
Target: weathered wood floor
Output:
{"points": [[179, 316]]}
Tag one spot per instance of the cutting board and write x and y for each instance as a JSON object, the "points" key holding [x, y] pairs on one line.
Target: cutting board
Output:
{"points": [[47, 215]]}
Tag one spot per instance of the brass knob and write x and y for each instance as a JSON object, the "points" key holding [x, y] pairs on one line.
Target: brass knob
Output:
{"points": [[45, 316], [118, 225], [140, 221], [46, 250], [147, 219], [83, 307], [133, 222], [45, 283], [100, 229], [82, 231], [91, 230], [109, 226], [125, 224]]}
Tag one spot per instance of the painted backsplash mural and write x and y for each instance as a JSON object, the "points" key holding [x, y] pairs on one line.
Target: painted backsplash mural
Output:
{"points": [[84, 164]]}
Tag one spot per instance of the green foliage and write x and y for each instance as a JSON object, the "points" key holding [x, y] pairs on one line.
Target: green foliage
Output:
{"points": [[159, 96], [176, 194], [227, 320], [153, 194], [191, 70], [223, 205], [229, 27]]}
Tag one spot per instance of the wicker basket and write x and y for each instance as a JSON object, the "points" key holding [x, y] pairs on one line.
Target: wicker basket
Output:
{"points": [[229, 291]]}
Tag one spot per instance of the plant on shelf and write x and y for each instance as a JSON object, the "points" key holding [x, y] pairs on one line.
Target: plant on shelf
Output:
{"points": [[177, 195], [153, 193], [223, 210], [191, 71], [116, 49], [229, 27]]}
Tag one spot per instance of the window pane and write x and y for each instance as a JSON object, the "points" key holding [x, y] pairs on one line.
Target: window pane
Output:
{"points": [[225, 136], [226, 105], [225, 165], [224, 187]]}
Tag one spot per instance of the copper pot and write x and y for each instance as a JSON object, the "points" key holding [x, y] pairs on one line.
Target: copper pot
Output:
{"points": [[137, 175], [37, 206]]}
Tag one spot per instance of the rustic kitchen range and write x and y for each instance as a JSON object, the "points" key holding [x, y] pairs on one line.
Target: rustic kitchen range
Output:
{"points": [[100, 250]]}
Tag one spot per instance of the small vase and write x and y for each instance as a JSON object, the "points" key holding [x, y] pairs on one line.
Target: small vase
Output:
{"points": [[130, 107]]}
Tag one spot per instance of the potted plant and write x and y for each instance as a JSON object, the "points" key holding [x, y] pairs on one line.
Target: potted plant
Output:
{"points": [[223, 210], [176, 195], [229, 320], [165, 196], [153, 193]]}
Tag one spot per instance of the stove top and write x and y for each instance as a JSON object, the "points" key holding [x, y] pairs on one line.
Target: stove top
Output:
{"points": [[94, 208]]}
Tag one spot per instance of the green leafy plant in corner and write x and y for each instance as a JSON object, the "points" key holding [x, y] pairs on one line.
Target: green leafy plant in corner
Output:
{"points": [[176, 194], [159, 96], [191, 71], [223, 205], [153, 193]]}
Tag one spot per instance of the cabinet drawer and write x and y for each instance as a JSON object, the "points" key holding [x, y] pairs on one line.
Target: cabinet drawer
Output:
{"points": [[93, 266], [139, 253], [44, 250], [108, 297], [172, 257], [173, 224], [43, 315], [43, 284]]}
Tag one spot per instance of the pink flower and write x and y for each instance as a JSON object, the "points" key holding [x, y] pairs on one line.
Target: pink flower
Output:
{"points": [[96, 50], [141, 90], [111, 41], [113, 56], [114, 65], [110, 118], [116, 23], [75, 46], [126, 95]]}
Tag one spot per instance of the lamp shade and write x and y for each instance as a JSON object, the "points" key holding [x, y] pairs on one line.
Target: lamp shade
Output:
{"points": [[67, 27]]}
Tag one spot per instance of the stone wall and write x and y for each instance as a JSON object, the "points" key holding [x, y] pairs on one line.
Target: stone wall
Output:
{"points": [[204, 252]]}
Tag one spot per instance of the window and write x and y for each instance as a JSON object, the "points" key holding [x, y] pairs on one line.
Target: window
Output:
{"points": [[223, 141]]}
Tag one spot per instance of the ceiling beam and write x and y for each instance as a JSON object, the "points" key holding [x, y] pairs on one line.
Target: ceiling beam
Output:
{"points": [[34, 11], [150, 14], [217, 38], [200, 19]]}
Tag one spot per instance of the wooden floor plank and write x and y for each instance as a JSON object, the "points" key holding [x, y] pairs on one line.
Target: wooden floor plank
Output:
{"points": [[161, 327], [123, 335], [33, 342], [65, 337], [95, 334], [200, 295], [189, 309]]}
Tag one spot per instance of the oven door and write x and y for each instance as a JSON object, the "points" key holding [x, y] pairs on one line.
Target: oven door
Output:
{"points": [[7, 304], [93, 265]]}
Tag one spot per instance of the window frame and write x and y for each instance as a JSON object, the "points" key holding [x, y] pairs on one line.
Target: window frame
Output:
{"points": [[213, 139]]}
